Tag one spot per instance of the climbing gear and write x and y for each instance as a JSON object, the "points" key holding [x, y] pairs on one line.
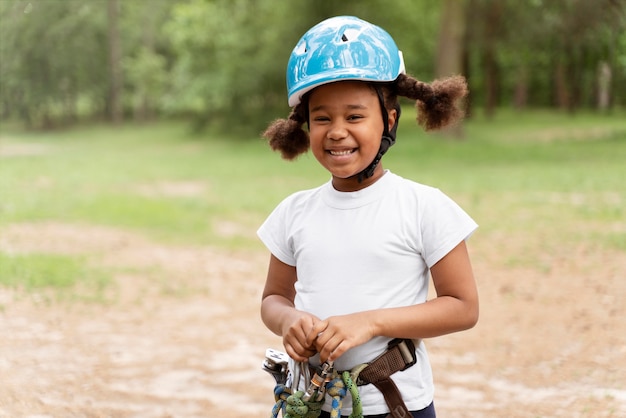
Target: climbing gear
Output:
{"points": [[317, 387], [400, 355], [276, 363], [300, 404], [289, 402], [341, 48], [387, 140]]}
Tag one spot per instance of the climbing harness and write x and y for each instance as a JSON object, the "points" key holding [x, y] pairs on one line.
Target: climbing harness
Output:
{"points": [[294, 403]]}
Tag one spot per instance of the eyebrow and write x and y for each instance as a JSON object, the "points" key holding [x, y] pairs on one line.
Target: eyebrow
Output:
{"points": [[351, 107]]}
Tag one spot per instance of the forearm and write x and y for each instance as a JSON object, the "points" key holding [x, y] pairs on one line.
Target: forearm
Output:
{"points": [[440, 316], [276, 312], [282, 318]]}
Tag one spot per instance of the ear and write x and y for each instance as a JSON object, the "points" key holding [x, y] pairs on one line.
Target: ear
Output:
{"points": [[392, 116]]}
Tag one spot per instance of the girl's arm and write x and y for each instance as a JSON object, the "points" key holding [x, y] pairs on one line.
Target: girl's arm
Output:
{"points": [[279, 313], [454, 309]]}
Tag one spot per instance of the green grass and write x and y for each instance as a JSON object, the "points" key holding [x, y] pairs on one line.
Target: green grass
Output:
{"points": [[36, 271], [116, 176], [537, 174]]}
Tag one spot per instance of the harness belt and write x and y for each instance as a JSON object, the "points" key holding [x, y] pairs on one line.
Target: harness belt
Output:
{"points": [[400, 355]]}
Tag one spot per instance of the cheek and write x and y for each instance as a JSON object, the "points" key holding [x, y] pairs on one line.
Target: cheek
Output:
{"points": [[316, 142], [316, 137]]}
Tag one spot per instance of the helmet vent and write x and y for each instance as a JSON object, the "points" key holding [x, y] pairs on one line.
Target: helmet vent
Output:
{"points": [[350, 34]]}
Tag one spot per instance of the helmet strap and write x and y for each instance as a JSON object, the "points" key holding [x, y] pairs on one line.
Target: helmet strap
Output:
{"points": [[387, 140]]}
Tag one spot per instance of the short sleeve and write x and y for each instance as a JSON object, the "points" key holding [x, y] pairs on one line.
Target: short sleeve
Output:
{"points": [[274, 235], [444, 225]]}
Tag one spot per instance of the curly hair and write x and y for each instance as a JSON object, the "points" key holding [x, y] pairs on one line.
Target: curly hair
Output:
{"points": [[438, 102], [288, 135], [437, 106]]}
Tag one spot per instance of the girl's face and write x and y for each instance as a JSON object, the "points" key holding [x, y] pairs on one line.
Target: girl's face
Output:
{"points": [[345, 129]]}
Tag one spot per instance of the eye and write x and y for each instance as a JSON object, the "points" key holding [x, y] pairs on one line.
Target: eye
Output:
{"points": [[355, 117]]}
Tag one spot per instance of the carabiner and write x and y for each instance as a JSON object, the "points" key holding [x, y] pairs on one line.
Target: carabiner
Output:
{"points": [[317, 387]]}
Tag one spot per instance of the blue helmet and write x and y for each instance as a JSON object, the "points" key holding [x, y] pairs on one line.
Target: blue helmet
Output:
{"points": [[341, 48]]}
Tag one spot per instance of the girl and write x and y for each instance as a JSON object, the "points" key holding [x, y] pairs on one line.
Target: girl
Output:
{"points": [[350, 260]]}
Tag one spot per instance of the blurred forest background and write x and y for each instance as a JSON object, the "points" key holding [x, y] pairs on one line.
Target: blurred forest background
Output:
{"points": [[221, 63]]}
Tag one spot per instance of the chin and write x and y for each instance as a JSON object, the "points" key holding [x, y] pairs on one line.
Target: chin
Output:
{"points": [[344, 176]]}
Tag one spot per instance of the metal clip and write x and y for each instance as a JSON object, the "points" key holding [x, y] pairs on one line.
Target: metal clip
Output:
{"points": [[276, 363], [296, 375], [317, 387]]}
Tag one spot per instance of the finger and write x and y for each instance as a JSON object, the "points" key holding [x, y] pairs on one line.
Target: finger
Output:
{"points": [[299, 346], [328, 349], [338, 351], [316, 331], [299, 354], [292, 353]]}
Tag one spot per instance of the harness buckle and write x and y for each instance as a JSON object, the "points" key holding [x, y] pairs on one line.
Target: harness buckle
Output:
{"points": [[407, 350]]}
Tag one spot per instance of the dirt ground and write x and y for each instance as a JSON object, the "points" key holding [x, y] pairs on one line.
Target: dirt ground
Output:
{"points": [[188, 342]]}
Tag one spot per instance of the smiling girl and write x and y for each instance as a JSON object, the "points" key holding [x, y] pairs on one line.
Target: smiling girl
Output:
{"points": [[350, 260]]}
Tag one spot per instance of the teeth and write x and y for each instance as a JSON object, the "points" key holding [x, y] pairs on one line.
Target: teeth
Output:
{"points": [[346, 152]]}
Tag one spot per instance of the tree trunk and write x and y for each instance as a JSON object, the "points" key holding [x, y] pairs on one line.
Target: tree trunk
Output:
{"points": [[115, 71], [520, 99], [490, 61], [562, 93], [604, 86], [451, 39], [468, 39], [450, 52]]}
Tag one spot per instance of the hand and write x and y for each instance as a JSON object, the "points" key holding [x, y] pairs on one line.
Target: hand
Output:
{"points": [[295, 336], [337, 334]]}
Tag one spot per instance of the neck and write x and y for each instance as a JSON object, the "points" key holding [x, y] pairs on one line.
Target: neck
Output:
{"points": [[354, 183]]}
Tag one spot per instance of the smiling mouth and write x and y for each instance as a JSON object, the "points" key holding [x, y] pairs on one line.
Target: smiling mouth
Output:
{"points": [[341, 152]]}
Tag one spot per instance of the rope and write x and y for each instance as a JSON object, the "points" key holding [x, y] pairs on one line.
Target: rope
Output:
{"points": [[293, 406], [336, 388], [281, 393], [357, 408]]}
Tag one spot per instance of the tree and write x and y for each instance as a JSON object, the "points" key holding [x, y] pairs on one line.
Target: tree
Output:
{"points": [[147, 59], [449, 60], [222, 62], [450, 52], [51, 60], [114, 61]]}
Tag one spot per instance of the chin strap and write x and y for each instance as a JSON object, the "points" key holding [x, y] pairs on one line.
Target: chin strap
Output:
{"points": [[387, 140]]}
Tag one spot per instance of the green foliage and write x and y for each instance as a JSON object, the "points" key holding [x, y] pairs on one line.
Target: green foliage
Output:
{"points": [[52, 57], [222, 62], [621, 51], [231, 55], [230, 60]]}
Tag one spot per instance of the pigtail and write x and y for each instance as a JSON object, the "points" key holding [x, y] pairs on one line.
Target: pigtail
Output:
{"points": [[288, 135], [437, 102]]}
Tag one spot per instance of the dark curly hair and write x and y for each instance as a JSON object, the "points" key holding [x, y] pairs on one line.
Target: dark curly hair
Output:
{"points": [[437, 106]]}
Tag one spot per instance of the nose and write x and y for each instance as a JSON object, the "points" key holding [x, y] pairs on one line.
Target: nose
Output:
{"points": [[337, 131]]}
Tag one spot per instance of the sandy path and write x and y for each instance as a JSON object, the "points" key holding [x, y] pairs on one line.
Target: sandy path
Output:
{"points": [[187, 341]]}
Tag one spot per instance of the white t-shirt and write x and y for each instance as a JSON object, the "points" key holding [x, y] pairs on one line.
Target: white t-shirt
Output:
{"points": [[365, 250]]}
